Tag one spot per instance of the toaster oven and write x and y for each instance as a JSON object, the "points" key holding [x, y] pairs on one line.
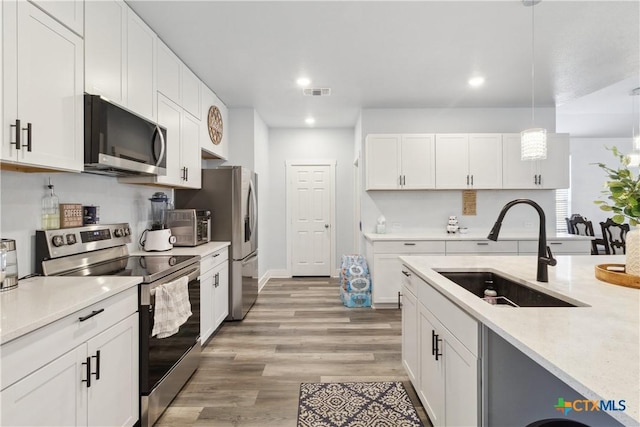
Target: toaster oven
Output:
{"points": [[191, 227]]}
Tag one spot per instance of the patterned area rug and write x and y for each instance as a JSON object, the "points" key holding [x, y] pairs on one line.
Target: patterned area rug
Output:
{"points": [[380, 404]]}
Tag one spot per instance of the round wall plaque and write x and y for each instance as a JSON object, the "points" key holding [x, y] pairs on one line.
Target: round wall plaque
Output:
{"points": [[214, 122]]}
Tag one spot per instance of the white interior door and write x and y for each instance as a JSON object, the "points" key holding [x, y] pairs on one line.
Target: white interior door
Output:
{"points": [[311, 216]]}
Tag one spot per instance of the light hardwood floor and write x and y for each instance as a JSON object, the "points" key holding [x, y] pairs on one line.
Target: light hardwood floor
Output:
{"points": [[297, 331]]}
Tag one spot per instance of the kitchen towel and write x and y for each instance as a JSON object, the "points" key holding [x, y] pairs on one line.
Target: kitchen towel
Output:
{"points": [[172, 307]]}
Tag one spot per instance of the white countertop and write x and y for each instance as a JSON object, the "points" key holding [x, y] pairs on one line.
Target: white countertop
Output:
{"points": [[200, 250], [425, 235], [595, 349], [38, 301]]}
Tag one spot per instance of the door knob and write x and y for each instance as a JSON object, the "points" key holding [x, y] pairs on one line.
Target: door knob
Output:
{"points": [[326, 226]]}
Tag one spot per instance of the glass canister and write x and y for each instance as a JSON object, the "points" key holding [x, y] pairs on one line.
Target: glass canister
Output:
{"points": [[8, 264], [50, 210]]}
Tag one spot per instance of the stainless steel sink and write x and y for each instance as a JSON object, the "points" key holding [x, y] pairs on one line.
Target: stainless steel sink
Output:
{"points": [[509, 292]]}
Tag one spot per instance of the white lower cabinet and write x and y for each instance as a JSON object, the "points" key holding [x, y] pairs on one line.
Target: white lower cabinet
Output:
{"points": [[94, 382], [440, 353], [214, 292]]}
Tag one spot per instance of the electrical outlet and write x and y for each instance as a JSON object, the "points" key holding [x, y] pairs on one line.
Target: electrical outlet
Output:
{"points": [[528, 224]]}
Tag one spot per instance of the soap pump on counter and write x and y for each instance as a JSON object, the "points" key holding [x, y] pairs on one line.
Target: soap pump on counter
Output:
{"points": [[50, 210], [381, 226]]}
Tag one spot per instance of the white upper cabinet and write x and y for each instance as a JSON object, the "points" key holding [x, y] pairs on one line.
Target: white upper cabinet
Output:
{"points": [[105, 44], [169, 69], [190, 165], [468, 161], [551, 173], [43, 90], [191, 92], [400, 162], [141, 86], [119, 51], [68, 12], [219, 124]]}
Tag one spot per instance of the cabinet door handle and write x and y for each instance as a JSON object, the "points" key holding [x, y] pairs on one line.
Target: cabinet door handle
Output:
{"points": [[187, 174], [482, 243], [97, 372], [433, 342], [87, 365], [472, 180], [539, 179], [438, 341], [535, 179], [28, 129], [409, 244], [18, 131], [217, 280], [406, 273], [467, 179], [399, 300], [90, 315]]}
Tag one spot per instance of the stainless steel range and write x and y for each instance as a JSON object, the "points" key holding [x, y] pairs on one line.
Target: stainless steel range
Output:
{"points": [[100, 250]]}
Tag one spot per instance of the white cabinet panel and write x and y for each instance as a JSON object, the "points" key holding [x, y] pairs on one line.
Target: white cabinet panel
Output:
{"points": [[140, 77], [169, 68], [68, 12], [468, 161], [43, 88], [554, 170], [191, 92], [432, 371], [400, 162], [410, 345], [105, 47], [190, 152], [382, 162], [214, 286]]}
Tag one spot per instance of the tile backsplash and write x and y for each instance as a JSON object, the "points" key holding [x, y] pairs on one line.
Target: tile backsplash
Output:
{"points": [[20, 205]]}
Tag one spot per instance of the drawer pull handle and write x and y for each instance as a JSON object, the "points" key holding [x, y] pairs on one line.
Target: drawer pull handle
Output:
{"points": [[555, 243], [215, 255], [482, 243], [406, 273], [409, 244], [90, 315]]}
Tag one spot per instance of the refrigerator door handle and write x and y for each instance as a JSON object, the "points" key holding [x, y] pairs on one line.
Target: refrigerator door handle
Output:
{"points": [[254, 207]]}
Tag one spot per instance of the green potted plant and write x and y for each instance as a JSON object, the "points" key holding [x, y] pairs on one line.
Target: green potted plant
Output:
{"points": [[623, 201]]}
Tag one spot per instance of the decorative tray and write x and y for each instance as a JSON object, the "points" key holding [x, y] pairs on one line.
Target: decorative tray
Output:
{"points": [[614, 274]]}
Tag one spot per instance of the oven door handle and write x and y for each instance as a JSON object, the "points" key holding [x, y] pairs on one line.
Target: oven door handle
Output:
{"points": [[147, 288]]}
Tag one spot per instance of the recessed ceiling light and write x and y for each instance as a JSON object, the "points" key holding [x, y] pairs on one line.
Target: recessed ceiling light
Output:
{"points": [[309, 120], [303, 81], [476, 81]]}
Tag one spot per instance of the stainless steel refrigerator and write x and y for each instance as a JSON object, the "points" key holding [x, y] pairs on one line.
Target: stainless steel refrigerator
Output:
{"points": [[230, 193]]}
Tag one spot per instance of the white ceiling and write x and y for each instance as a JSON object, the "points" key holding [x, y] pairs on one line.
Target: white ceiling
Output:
{"points": [[397, 54]]}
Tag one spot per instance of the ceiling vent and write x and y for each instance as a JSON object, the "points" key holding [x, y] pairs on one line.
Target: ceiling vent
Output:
{"points": [[323, 91]]}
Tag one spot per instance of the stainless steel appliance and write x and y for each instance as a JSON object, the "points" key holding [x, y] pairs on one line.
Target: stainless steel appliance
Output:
{"points": [[118, 142], [190, 227], [8, 265], [100, 250], [230, 193]]}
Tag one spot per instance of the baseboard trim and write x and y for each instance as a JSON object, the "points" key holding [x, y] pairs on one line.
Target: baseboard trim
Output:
{"points": [[275, 274]]}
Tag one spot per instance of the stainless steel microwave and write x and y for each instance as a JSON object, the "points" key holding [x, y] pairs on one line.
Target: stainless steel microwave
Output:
{"points": [[118, 142]]}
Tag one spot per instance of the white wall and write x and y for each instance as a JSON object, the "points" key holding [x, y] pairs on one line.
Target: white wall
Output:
{"points": [[241, 137], [21, 203], [587, 179], [308, 144], [429, 210]]}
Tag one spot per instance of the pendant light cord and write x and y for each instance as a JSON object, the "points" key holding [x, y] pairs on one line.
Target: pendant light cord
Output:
{"points": [[533, 73]]}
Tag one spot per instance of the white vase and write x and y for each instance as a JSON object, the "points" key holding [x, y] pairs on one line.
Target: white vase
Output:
{"points": [[632, 249]]}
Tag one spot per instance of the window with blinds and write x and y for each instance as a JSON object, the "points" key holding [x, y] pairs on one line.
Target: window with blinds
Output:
{"points": [[563, 203]]}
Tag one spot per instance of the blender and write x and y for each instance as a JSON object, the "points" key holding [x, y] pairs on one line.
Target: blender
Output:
{"points": [[159, 237]]}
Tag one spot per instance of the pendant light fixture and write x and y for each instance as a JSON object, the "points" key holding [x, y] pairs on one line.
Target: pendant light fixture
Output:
{"points": [[533, 141], [634, 156]]}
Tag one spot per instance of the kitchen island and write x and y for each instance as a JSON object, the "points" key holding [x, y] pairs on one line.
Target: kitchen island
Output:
{"points": [[594, 348]]}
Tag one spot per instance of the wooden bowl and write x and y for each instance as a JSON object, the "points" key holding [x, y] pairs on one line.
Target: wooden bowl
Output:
{"points": [[614, 274]]}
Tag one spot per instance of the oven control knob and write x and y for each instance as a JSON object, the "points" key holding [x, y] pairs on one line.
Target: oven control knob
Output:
{"points": [[71, 239], [58, 240], [118, 232]]}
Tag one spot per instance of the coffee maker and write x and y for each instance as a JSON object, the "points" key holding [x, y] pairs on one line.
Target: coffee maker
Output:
{"points": [[159, 237]]}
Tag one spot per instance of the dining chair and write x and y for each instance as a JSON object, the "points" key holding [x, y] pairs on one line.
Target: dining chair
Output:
{"points": [[583, 227], [614, 236]]}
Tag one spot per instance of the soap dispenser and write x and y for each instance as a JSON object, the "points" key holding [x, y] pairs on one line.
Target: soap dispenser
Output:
{"points": [[50, 210]]}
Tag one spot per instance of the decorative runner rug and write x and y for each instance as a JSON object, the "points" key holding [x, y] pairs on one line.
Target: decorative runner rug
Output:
{"points": [[380, 404]]}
